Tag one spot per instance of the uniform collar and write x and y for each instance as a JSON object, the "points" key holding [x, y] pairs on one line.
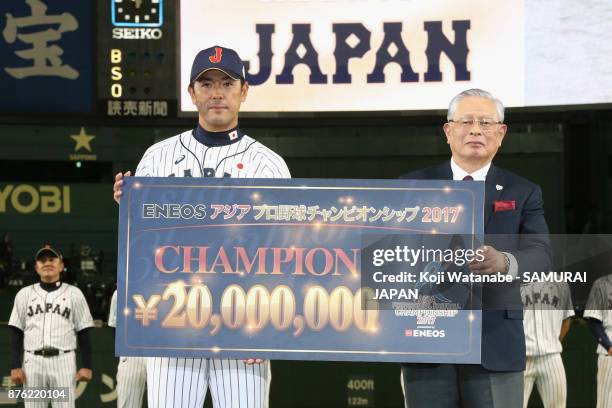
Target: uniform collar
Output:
{"points": [[478, 175], [212, 139], [50, 287]]}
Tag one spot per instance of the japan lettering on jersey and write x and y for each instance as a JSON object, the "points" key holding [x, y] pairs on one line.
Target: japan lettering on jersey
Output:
{"points": [[50, 319], [184, 156], [599, 306], [545, 306]]}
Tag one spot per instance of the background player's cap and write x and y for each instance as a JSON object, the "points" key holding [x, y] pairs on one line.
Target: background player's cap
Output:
{"points": [[217, 57], [47, 250]]}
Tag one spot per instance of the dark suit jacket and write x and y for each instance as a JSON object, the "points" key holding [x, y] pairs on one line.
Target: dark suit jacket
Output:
{"points": [[503, 338]]}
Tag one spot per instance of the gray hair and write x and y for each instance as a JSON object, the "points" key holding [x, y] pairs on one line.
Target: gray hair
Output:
{"points": [[452, 107]]}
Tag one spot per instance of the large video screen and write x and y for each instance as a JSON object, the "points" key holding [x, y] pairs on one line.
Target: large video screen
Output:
{"points": [[398, 55]]}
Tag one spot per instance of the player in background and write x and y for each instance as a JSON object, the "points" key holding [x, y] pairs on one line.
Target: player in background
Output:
{"points": [[217, 147], [131, 371], [598, 313], [47, 319], [547, 309]]}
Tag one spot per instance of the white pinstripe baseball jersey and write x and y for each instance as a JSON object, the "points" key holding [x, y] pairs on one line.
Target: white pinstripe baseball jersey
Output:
{"points": [[599, 306], [50, 319], [545, 306], [184, 156], [181, 382]]}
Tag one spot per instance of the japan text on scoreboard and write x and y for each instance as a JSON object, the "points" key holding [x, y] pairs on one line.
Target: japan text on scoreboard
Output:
{"points": [[372, 55]]}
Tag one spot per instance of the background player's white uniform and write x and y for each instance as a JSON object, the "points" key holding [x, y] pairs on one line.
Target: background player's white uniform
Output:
{"points": [[131, 371], [545, 306], [182, 382], [50, 320], [599, 306]]}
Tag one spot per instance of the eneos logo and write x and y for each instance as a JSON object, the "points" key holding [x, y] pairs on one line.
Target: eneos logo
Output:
{"points": [[424, 333]]}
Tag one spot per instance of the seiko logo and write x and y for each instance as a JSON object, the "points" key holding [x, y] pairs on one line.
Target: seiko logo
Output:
{"points": [[137, 33]]}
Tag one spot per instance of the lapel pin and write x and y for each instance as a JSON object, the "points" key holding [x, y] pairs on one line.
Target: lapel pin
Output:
{"points": [[499, 187]]}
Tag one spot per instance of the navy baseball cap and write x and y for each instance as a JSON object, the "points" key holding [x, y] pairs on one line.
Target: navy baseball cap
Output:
{"points": [[47, 250], [217, 57]]}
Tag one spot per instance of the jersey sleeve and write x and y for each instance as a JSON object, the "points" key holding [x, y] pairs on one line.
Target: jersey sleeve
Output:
{"points": [[595, 303], [82, 317], [112, 314], [17, 318], [568, 305], [146, 165], [270, 165]]}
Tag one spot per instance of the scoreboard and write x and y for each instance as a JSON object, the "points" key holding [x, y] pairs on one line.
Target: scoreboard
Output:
{"points": [[137, 13], [136, 58], [132, 58]]}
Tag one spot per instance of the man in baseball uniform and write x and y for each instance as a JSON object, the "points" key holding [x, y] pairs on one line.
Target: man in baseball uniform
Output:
{"points": [[217, 147], [46, 320], [598, 312], [546, 319], [131, 371]]}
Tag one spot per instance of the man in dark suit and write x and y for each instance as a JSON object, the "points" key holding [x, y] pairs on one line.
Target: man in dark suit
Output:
{"points": [[513, 213]]}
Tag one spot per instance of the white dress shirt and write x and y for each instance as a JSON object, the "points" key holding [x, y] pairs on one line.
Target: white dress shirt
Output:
{"points": [[481, 175]]}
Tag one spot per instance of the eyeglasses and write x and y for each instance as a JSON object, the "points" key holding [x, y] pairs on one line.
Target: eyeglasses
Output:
{"points": [[486, 124]]}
